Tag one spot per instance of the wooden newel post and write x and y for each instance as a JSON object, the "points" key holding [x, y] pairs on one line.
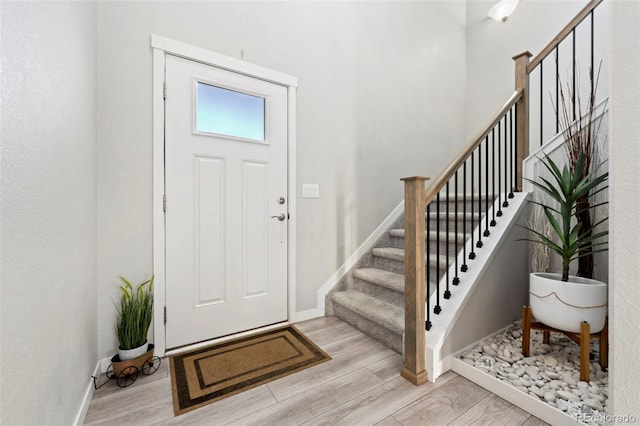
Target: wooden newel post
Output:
{"points": [[522, 116], [414, 280]]}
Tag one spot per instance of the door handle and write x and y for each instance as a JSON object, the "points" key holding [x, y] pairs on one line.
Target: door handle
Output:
{"points": [[280, 217]]}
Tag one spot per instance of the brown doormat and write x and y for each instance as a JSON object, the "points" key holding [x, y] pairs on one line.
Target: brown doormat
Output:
{"points": [[209, 374]]}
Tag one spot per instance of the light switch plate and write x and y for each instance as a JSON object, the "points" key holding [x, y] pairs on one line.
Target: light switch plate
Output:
{"points": [[310, 190]]}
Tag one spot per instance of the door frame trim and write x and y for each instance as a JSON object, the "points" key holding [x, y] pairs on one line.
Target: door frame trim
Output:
{"points": [[161, 47]]}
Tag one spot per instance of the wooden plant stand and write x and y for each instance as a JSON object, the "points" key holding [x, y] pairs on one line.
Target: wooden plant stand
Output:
{"points": [[582, 338]]}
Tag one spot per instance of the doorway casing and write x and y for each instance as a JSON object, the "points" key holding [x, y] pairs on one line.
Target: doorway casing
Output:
{"points": [[161, 47]]}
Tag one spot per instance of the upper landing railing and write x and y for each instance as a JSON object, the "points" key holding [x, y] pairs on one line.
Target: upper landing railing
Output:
{"points": [[572, 50], [488, 169]]}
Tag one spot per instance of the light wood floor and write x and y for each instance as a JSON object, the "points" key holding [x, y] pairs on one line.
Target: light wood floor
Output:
{"points": [[360, 385]]}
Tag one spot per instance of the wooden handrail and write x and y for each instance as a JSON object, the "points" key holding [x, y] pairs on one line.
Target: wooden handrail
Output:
{"points": [[465, 152], [563, 34]]}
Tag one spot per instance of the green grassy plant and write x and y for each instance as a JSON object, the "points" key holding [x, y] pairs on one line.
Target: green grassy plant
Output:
{"points": [[134, 313]]}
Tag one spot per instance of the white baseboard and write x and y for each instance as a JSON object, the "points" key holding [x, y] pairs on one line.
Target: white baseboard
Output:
{"points": [[361, 251], [104, 364], [435, 365], [307, 315], [520, 399], [86, 400]]}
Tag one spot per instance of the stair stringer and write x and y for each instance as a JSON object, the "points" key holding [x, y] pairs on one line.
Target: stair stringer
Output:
{"points": [[460, 324]]}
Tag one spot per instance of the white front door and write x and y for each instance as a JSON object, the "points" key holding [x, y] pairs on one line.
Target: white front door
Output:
{"points": [[226, 202]]}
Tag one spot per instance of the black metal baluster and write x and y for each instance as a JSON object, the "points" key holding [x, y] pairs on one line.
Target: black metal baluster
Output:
{"points": [[541, 102], [573, 67], [507, 160], [427, 324], [479, 244], [437, 309], [504, 118], [557, 90], [456, 279], [447, 293], [486, 184], [472, 254], [592, 71], [464, 266], [514, 155], [493, 173]]}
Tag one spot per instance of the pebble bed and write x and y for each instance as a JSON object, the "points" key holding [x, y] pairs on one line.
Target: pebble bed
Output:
{"points": [[551, 373]]}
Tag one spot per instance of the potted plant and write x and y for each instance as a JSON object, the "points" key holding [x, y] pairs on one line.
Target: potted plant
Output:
{"points": [[134, 318], [561, 300]]}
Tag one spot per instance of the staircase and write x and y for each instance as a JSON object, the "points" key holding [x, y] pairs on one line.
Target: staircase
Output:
{"points": [[372, 296], [486, 287]]}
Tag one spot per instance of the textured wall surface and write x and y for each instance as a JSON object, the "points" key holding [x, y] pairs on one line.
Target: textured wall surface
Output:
{"points": [[379, 98], [48, 319], [624, 284]]}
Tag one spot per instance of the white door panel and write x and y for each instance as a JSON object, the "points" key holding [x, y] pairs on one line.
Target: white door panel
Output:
{"points": [[226, 257]]}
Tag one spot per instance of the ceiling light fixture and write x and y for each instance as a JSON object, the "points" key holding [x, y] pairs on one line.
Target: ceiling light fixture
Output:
{"points": [[502, 10]]}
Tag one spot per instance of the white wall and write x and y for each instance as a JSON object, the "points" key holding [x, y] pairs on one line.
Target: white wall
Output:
{"points": [[380, 97], [491, 46], [48, 201], [624, 285]]}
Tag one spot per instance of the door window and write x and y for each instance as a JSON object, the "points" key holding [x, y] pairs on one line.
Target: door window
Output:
{"points": [[228, 112]]}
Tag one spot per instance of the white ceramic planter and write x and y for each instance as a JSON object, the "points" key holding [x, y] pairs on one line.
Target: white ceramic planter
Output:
{"points": [[564, 305], [126, 354]]}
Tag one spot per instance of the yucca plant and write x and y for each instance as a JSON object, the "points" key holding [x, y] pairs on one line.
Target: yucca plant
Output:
{"points": [[581, 132], [566, 188], [134, 313]]}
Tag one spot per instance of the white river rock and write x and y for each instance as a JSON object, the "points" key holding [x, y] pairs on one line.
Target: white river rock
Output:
{"points": [[568, 396], [550, 374]]}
